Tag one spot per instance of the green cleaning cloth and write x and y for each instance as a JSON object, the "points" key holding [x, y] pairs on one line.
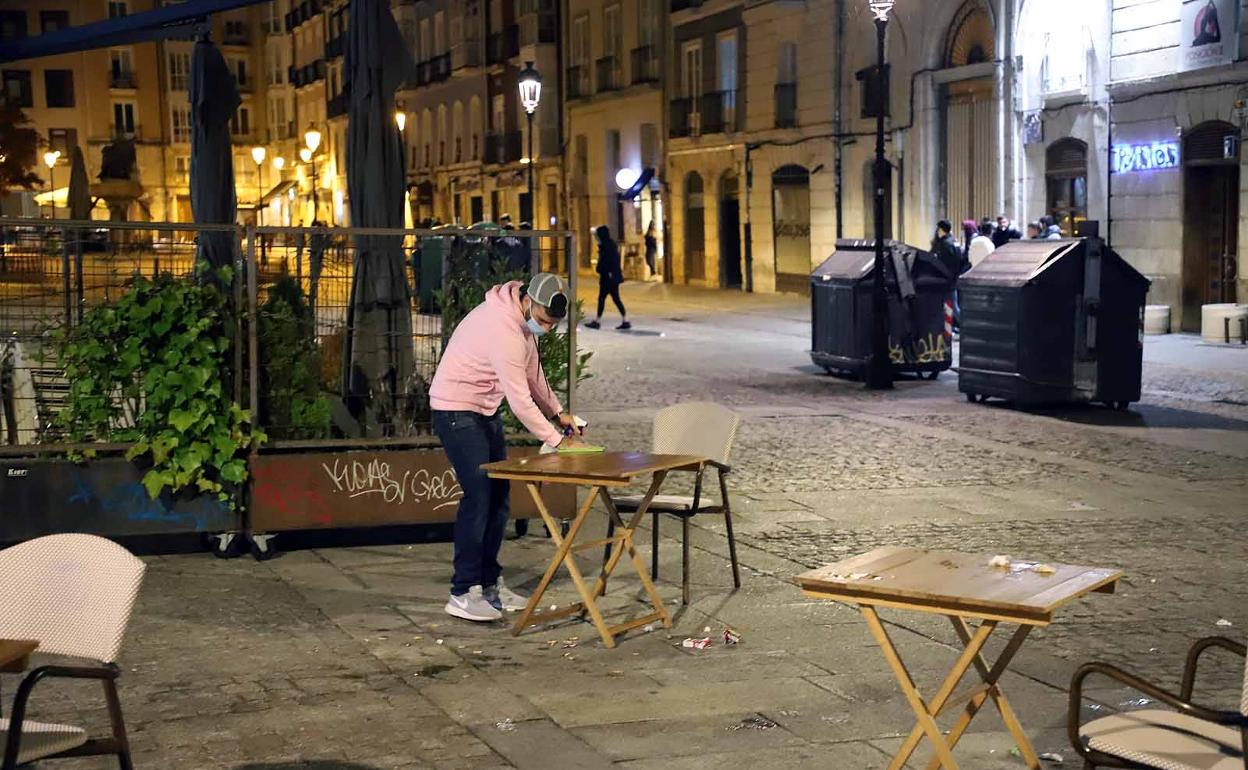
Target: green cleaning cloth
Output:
{"points": [[582, 450]]}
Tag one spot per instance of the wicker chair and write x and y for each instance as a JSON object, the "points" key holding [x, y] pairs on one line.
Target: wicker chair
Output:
{"points": [[73, 594], [695, 428], [1191, 737]]}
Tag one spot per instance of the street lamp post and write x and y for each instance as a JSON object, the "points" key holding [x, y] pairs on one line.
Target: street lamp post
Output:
{"points": [[258, 154], [49, 159], [311, 140], [530, 96], [880, 367]]}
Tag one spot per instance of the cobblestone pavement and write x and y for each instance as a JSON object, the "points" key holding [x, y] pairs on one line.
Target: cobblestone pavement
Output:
{"points": [[341, 659]]}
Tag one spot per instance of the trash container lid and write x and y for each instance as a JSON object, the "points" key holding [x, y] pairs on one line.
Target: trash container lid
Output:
{"points": [[1017, 262], [845, 264]]}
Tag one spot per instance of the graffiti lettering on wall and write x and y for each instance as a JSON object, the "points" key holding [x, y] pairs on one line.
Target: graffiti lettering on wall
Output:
{"points": [[932, 349], [359, 478]]}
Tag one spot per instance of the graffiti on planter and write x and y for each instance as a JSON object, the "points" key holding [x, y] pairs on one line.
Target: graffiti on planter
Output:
{"points": [[360, 478], [131, 501]]}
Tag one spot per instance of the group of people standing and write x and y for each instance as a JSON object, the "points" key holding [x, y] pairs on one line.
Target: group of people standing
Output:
{"points": [[981, 239]]}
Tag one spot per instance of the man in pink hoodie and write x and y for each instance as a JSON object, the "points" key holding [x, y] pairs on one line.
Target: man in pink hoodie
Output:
{"points": [[491, 356]]}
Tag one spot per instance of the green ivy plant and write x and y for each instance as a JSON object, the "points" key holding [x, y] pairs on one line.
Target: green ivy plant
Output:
{"points": [[291, 403], [151, 369]]}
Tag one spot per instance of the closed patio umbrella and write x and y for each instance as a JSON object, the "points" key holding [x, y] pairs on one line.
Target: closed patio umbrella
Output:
{"points": [[79, 187], [214, 99], [377, 362]]}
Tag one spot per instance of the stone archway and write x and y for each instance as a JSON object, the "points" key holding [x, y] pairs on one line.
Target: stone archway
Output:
{"points": [[970, 147]]}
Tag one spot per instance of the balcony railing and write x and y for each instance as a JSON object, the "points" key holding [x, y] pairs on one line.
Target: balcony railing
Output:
{"points": [[439, 68], [339, 104], [608, 72], [122, 80], [335, 47], [537, 28], [502, 148], [645, 65], [719, 112], [308, 73], [578, 82], [503, 45], [786, 105], [466, 54], [685, 118]]}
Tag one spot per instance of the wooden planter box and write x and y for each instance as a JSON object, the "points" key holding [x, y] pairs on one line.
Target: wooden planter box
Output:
{"points": [[103, 496], [310, 487]]}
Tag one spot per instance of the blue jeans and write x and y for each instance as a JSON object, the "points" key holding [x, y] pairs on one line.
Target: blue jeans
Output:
{"points": [[472, 440]]}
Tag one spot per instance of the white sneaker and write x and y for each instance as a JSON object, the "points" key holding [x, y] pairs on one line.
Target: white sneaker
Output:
{"points": [[501, 597], [472, 606]]}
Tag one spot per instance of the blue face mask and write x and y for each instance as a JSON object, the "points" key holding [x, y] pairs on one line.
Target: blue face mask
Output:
{"points": [[537, 329]]}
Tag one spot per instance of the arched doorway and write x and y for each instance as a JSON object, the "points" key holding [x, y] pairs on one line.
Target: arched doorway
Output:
{"points": [[1210, 218], [970, 150], [1066, 183], [729, 230], [695, 229], [790, 217]]}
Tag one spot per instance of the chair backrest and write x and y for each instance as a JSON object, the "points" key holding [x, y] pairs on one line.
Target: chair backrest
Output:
{"points": [[696, 428], [72, 593]]}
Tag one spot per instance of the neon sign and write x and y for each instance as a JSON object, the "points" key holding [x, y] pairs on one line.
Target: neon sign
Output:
{"points": [[1145, 157]]}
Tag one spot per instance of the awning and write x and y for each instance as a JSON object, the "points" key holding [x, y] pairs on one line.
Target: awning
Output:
{"points": [[642, 182], [279, 189]]}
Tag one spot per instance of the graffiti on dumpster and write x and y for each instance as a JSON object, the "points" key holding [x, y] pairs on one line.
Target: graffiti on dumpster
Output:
{"points": [[932, 349], [360, 478]]}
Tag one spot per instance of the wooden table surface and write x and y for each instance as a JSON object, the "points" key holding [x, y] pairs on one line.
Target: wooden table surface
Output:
{"points": [[14, 652], [610, 469], [956, 584]]}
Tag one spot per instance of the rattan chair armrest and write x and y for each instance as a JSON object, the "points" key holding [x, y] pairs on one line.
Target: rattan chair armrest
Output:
{"points": [[1193, 659], [107, 671]]}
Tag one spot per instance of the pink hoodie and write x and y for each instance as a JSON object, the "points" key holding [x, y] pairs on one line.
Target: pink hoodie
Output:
{"points": [[492, 354]]}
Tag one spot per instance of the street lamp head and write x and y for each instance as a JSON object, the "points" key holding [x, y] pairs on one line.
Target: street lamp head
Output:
{"points": [[312, 138], [881, 8], [51, 157], [400, 119], [279, 163], [530, 88], [258, 154], [305, 155]]}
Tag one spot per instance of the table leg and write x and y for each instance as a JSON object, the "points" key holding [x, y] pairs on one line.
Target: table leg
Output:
{"points": [[973, 646], [926, 722], [626, 543], [990, 678], [563, 546], [617, 550]]}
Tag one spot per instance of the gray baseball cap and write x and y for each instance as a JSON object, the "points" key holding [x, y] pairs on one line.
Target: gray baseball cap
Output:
{"points": [[549, 291]]}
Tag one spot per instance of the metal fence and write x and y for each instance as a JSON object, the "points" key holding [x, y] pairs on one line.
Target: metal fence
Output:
{"points": [[292, 290]]}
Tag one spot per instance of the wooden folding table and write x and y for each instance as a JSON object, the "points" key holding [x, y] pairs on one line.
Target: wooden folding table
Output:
{"points": [[958, 586], [599, 472]]}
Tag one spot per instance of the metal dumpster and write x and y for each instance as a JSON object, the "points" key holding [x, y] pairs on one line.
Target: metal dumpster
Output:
{"points": [[920, 309], [1052, 322]]}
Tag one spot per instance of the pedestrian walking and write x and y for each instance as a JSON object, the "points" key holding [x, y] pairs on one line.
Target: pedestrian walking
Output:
{"points": [[493, 355], [1033, 231], [946, 250], [981, 245], [1050, 229], [970, 229], [1005, 232], [652, 246], [610, 276]]}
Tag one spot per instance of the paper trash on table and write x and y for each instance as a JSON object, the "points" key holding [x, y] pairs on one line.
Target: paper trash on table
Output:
{"points": [[1000, 561]]}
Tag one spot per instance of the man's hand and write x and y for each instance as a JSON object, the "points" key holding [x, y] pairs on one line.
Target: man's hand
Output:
{"points": [[568, 422], [572, 441]]}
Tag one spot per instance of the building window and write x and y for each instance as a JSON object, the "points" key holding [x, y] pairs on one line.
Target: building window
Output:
{"points": [[17, 88], [179, 70], [63, 140], [53, 21], [118, 8], [1066, 183], [181, 124], [277, 118], [123, 119], [121, 68], [273, 22], [238, 67], [240, 124], [182, 169], [12, 25], [235, 29], [59, 87]]}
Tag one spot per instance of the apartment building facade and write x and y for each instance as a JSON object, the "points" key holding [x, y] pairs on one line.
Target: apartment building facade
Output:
{"points": [[467, 133]]}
